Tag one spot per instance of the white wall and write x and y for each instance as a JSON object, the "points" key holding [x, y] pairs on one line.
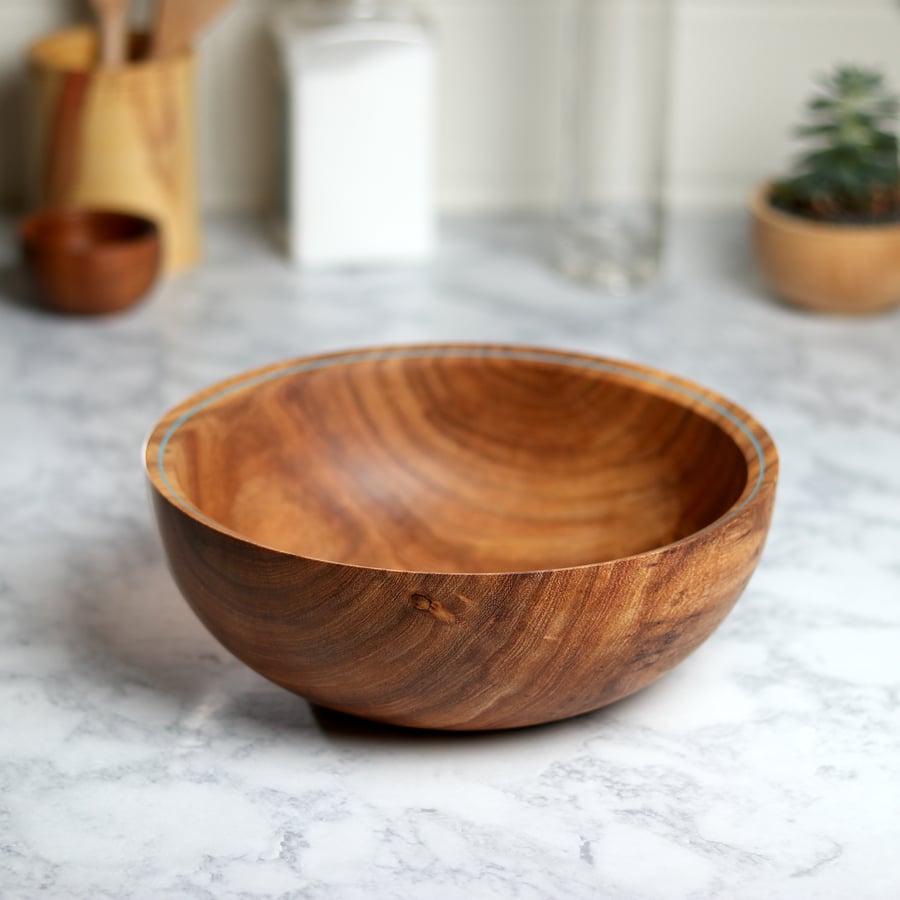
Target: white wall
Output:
{"points": [[740, 72]]}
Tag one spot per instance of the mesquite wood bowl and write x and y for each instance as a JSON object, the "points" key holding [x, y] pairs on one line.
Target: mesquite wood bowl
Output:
{"points": [[461, 537], [90, 261]]}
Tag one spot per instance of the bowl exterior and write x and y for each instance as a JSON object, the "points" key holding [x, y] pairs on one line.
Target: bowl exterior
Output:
{"points": [[463, 652], [104, 280], [823, 267]]}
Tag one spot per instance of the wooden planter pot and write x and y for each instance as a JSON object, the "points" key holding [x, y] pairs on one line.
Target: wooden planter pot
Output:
{"points": [[826, 267]]}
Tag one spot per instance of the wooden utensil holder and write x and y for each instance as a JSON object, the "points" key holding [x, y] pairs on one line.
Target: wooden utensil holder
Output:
{"points": [[121, 138]]}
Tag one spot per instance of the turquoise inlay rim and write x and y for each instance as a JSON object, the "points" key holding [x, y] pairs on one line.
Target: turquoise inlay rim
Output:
{"points": [[461, 352]]}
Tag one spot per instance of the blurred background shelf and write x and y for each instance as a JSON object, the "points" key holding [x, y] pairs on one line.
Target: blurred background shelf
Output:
{"points": [[740, 71]]}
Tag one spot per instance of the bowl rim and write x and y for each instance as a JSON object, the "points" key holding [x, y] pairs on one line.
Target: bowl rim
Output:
{"points": [[39, 57], [773, 217], [754, 442], [149, 236]]}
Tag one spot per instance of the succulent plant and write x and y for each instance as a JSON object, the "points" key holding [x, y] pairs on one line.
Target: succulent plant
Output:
{"points": [[850, 171]]}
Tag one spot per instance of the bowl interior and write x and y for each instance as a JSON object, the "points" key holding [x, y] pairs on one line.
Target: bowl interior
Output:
{"points": [[85, 230], [455, 464]]}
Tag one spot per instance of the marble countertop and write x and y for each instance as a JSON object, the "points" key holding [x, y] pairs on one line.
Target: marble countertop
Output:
{"points": [[138, 759]]}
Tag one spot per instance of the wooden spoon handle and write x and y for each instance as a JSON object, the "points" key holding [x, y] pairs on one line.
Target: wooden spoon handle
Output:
{"points": [[178, 22], [113, 20]]}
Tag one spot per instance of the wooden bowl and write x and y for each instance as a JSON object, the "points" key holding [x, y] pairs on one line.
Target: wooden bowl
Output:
{"points": [[461, 537], [826, 267], [90, 261]]}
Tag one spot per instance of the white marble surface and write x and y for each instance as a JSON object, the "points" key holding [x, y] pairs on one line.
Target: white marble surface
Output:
{"points": [[137, 759]]}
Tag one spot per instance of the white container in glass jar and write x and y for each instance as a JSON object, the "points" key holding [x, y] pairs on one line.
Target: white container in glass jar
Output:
{"points": [[357, 146]]}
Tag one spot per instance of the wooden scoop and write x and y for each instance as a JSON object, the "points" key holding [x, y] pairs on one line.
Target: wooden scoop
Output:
{"points": [[178, 22], [112, 16]]}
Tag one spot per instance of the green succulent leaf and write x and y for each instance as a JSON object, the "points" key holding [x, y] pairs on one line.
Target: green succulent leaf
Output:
{"points": [[850, 164]]}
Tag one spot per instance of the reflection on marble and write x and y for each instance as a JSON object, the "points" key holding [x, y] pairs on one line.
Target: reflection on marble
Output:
{"points": [[138, 759]]}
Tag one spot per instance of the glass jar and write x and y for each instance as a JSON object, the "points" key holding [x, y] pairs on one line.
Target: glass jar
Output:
{"points": [[609, 227]]}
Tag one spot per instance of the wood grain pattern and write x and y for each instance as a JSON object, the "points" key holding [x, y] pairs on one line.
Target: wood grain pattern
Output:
{"points": [[90, 262], [461, 537], [825, 267], [120, 138]]}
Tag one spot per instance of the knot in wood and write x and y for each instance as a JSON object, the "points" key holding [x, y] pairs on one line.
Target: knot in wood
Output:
{"points": [[437, 609]]}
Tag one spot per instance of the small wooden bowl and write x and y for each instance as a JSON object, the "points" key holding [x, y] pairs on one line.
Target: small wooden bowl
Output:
{"points": [[461, 537], [90, 261]]}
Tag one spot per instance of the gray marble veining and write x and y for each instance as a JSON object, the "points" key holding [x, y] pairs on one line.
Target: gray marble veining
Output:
{"points": [[137, 759]]}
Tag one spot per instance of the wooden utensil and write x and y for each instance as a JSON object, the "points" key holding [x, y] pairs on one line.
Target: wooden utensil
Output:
{"points": [[461, 537], [179, 21], [122, 138], [112, 16]]}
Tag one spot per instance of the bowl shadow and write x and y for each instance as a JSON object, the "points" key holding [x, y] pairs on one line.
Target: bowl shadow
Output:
{"points": [[126, 614], [349, 729], [16, 289]]}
